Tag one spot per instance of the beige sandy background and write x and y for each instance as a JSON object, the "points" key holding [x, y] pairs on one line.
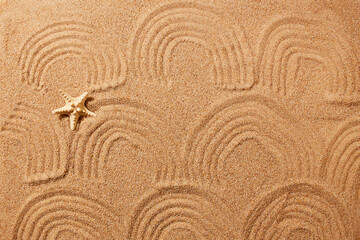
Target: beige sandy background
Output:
{"points": [[214, 120]]}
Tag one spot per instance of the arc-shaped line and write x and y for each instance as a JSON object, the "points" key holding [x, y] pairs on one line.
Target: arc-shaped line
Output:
{"points": [[132, 123], [126, 131], [68, 32], [303, 205], [38, 38], [237, 120], [177, 224], [167, 206], [188, 22], [289, 38], [340, 162], [56, 210], [55, 229], [25, 118], [44, 145], [106, 65]]}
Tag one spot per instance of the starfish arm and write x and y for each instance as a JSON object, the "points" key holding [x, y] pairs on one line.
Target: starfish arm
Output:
{"points": [[66, 96], [63, 110], [81, 99], [89, 113], [73, 121]]}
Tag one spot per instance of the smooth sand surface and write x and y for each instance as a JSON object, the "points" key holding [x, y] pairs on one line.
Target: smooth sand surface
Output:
{"points": [[202, 119]]}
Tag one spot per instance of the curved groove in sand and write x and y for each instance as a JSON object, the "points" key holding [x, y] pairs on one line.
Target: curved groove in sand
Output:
{"points": [[300, 208], [340, 163], [167, 26], [49, 214], [106, 66], [289, 39], [47, 148], [130, 123], [186, 207], [236, 121]]}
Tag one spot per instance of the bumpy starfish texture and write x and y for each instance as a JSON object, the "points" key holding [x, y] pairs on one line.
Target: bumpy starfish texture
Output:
{"points": [[75, 108]]}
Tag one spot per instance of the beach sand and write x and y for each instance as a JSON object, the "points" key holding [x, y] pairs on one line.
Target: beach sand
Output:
{"points": [[202, 119]]}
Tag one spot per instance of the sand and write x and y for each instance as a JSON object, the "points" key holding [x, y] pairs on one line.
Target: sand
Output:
{"points": [[179, 120]]}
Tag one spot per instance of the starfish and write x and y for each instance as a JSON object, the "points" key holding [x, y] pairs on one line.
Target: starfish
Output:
{"points": [[74, 107]]}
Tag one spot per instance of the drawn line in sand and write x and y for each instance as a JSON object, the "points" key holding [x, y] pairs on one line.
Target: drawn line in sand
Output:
{"points": [[51, 214], [106, 66], [236, 121], [167, 26], [162, 213], [42, 139], [289, 39], [341, 161], [129, 123], [298, 211]]}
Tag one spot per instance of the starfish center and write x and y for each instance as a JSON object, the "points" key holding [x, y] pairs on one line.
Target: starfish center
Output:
{"points": [[75, 108]]}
